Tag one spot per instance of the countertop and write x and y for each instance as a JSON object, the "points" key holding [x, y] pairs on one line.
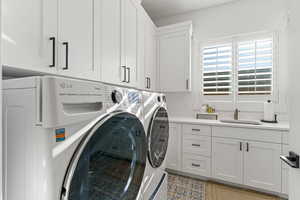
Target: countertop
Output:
{"points": [[281, 126]]}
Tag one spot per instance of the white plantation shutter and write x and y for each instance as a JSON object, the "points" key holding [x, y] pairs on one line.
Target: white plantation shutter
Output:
{"points": [[255, 67], [217, 69]]}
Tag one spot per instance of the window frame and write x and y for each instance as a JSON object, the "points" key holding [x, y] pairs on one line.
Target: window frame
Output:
{"points": [[229, 102]]}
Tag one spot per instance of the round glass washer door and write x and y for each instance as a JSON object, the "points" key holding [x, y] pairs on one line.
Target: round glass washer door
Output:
{"points": [[109, 163], [158, 137]]}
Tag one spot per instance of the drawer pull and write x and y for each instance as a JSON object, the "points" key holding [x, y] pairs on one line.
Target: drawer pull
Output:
{"points": [[195, 129], [195, 165], [196, 145]]}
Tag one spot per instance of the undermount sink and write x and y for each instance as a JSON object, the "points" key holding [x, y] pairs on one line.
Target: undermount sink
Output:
{"points": [[232, 121]]}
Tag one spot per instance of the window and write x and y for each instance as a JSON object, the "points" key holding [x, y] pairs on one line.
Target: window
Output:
{"points": [[217, 70], [241, 67], [255, 63]]}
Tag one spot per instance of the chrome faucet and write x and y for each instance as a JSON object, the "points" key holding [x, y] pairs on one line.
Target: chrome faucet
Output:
{"points": [[236, 114]]}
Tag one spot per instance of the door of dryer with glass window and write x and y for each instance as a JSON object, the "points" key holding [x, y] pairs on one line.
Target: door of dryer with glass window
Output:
{"points": [[158, 137], [110, 161]]}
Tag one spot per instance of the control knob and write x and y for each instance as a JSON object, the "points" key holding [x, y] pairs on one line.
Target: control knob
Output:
{"points": [[116, 97]]}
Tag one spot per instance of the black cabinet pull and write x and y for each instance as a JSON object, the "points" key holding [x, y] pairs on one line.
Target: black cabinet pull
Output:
{"points": [[195, 165], [124, 71], [187, 84], [247, 147], [67, 55], [128, 69], [196, 145], [194, 129], [53, 51], [146, 82], [241, 146]]}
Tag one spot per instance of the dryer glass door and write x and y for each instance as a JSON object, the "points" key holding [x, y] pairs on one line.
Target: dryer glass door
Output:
{"points": [[158, 137], [110, 161]]}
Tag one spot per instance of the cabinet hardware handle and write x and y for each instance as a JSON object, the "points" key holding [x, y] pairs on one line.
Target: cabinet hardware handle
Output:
{"points": [[195, 165], [67, 55], [247, 147], [194, 129], [149, 82], [53, 51], [241, 146], [196, 145], [146, 82], [187, 84], [128, 69], [124, 71]]}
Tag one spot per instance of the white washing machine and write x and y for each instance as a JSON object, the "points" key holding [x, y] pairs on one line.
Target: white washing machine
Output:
{"points": [[67, 139], [156, 124]]}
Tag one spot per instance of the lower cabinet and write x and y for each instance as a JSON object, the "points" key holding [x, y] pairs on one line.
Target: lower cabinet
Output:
{"points": [[230, 154], [254, 164], [227, 160], [262, 166], [174, 148]]}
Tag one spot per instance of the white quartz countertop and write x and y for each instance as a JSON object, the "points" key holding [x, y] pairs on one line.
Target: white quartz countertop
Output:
{"points": [[281, 126]]}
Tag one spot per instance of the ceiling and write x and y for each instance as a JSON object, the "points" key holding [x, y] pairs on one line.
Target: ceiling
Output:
{"points": [[165, 8]]}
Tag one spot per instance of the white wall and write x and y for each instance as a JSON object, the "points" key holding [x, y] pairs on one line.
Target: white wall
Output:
{"points": [[294, 94], [240, 17]]}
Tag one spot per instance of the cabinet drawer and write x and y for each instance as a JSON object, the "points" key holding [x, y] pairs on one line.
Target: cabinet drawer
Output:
{"points": [[250, 134], [194, 130], [200, 145], [198, 165]]}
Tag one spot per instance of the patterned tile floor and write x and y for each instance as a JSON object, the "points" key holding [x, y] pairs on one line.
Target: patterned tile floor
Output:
{"points": [[183, 188]]}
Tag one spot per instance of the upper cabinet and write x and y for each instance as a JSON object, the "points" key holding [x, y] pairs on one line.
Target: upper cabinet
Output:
{"points": [[49, 36], [116, 41], [108, 40], [75, 38], [150, 55], [146, 51], [174, 57], [112, 41], [129, 12], [27, 29]]}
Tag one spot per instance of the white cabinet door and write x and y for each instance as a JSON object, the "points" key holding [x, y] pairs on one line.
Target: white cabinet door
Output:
{"points": [[129, 41], [142, 84], [227, 160], [107, 27], [76, 38], [146, 51], [27, 29], [150, 55], [174, 148], [174, 58], [262, 166]]}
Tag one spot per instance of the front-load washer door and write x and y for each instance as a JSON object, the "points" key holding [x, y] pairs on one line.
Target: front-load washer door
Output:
{"points": [[158, 137], [109, 163]]}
